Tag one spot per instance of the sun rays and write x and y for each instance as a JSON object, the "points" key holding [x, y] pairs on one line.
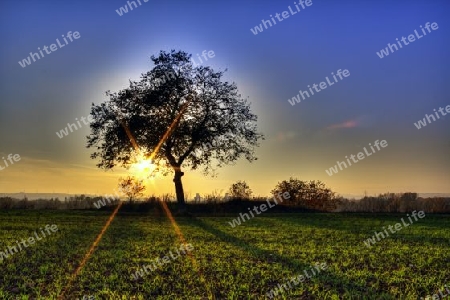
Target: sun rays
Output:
{"points": [[143, 166]]}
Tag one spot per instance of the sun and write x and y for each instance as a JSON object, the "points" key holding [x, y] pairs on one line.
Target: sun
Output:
{"points": [[143, 167]]}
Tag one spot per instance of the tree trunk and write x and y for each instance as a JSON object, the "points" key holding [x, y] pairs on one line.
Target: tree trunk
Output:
{"points": [[179, 191]]}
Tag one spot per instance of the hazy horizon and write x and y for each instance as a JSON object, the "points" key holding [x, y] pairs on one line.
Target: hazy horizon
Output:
{"points": [[61, 196]]}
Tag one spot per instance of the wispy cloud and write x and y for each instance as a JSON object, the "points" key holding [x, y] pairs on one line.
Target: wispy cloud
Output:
{"points": [[346, 124], [284, 136]]}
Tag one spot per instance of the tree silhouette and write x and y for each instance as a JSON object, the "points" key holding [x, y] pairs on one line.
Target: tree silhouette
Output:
{"points": [[313, 194], [131, 187], [240, 190], [189, 119]]}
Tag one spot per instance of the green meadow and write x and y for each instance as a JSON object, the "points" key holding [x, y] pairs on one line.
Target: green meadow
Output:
{"points": [[245, 262]]}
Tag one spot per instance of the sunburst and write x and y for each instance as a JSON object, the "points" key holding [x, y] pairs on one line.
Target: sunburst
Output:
{"points": [[143, 167]]}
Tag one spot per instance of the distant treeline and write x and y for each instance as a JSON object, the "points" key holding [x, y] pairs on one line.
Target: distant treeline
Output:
{"points": [[396, 203], [215, 204]]}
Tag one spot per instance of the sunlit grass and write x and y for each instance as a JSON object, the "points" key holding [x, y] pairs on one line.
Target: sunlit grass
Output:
{"points": [[238, 263]]}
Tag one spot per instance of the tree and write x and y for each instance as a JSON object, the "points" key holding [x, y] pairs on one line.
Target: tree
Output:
{"points": [[240, 190], [318, 196], [189, 119], [313, 194], [131, 187], [295, 187]]}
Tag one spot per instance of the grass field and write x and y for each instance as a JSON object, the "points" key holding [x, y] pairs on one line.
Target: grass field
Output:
{"points": [[245, 262]]}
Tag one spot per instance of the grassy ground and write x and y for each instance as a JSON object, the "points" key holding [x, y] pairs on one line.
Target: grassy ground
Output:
{"points": [[245, 262]]}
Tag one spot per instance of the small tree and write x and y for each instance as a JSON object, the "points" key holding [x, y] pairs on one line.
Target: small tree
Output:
{"points": [[131, 187], [240, 190]]}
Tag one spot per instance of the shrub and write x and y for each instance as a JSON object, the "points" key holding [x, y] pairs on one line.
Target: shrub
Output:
{"points": [[312, 195]]}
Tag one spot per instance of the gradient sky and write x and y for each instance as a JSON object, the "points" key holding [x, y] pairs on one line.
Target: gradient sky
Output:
{"points": [[381, 99]]}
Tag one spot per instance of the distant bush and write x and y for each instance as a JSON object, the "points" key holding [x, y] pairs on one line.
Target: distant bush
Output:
{"points": [[310, 195]]}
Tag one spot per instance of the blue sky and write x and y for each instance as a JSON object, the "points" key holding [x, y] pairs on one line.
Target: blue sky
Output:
{"points": [[381, 99]]}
